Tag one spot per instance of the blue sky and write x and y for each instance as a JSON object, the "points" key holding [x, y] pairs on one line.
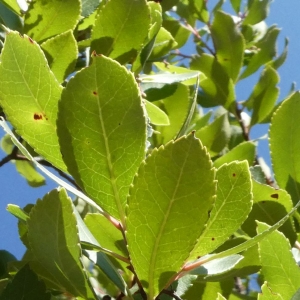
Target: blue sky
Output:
{"points": [[14, 188]]}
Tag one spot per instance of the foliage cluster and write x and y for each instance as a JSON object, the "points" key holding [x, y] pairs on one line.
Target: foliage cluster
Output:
{"points": [[171, 200]]}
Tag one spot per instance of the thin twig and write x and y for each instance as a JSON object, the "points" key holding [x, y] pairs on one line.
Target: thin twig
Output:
{"points": [[169, 293]]}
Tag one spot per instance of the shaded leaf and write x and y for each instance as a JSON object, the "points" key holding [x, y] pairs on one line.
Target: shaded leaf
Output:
{"points": [[9, 19], [13, 5], [258, 10], [30, 101], [243, 151], [5, 258], [46, 19], [61, 53], [158, 91], [169, 202], [279, 268], [285, 146], [232, 206], [215, 136], [122, 38], [94, 143], [88, 7], [52, 232], [228, 43], [198, 7]]}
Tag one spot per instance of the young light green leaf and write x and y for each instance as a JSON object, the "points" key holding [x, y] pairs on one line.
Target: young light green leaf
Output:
{"points": [[217, 266], [124, 37], [95, 133], [167, 210], [266, 51], [229, 44], [264, 96], [30, 101], [17, 212], [61, 52], [217, 86], [258, 10], [177, 108], [279, 268], [156, 115], [199, 8], [58, 17], [232, 206], [216, 135], [243, 151], [284, 146], [269, 206], [267, 293], [236, 5], [220, 297], [52, 232]]}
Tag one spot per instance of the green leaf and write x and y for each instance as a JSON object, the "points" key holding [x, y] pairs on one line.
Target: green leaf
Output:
{"points": [[258, 10], [9, 19], [220, 297], [61, 52], [269, 206], [52, 232], [13, 5], [282, 57], [106, 234], [158, 91], [232, 206], [167, 210], [217, 266], [95, 133], [123, 38], [5, 258], [164, 43], [236, 5], [26, 285], [279, 268], [156, 115], [30, 101], [228, 43], [16, 211], [285, 146], [217, 86], [49, 18], [267, 293], [243, 151], [88, 7], [266, 51], [296, 295], [177, 108], [198, 7], [264, 96], [216, 135]]}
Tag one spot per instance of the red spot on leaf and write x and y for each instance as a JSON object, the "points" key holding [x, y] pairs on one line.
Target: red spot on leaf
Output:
{"points": [[38, 116], [30, 40], [275, 196]]}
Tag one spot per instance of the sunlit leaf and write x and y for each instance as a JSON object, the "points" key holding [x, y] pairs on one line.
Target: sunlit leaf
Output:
{"points": [[156, 115], [258, 10], [279, 268], [46, 19], [169, 202], [29, 94], [267, 293]]}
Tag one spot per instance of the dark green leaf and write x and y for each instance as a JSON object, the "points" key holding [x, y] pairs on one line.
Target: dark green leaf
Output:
{"points": [[10, 19], [88, 7]]}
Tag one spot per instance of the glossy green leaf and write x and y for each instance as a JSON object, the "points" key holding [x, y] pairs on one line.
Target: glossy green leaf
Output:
{"points": [[124, 37], [269, 206], [217, 86], [106, 234], [9, 19], [94, 143], [17, 212], [258, 10], [13, 5], [215, 136], [167, 210], [52, 232], [236, 5], [268, 294], [30, 101], [228, 43], [266, 50], [232, 206], [176, 107], [285, 146], [164, 43], [26, 285], [279, 268], [243, 151], [264, 96], [61, 53], [88, 7], [156, 115], [218, 266], [48, 18]]}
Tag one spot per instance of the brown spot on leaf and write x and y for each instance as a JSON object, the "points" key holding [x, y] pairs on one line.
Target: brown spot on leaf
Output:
{"points": [[233, 174], [30, 40], [213, 239], [38, 116], [95, 93], [275, 196]]}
